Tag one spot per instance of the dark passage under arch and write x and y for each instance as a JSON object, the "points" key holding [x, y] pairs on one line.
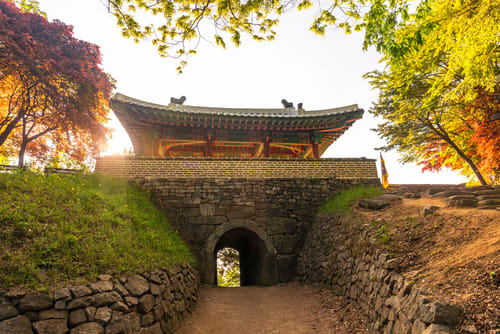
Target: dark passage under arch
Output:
{"points": [[252, 251]]}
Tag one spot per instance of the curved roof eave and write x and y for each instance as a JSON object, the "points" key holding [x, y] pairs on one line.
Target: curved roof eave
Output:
{"points": [[238, 112]]}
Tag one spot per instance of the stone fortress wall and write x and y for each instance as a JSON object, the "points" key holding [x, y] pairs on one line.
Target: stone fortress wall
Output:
{"points": [[268, 217], [338, 253], [150, 303]]}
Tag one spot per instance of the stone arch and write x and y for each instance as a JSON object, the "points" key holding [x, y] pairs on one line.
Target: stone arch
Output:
{"points": [[257, 254]]}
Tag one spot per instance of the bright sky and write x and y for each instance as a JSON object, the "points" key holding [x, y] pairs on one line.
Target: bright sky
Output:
{"points": [[299, 66]]}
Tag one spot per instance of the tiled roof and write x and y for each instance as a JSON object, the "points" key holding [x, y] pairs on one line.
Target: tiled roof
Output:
{"points": [[281, 113]]}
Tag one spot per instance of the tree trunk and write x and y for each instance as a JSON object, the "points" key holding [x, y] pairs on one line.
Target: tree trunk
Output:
{"points": [[22, 151], [444, 135], [8, 129], [469, 162]]}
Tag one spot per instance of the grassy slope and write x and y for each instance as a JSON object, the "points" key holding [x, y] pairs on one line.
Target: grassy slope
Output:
{"points": [[341, 203], [58, 228]]}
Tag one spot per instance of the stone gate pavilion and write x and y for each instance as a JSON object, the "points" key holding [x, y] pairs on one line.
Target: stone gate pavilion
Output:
{"points": [[249, 179]]}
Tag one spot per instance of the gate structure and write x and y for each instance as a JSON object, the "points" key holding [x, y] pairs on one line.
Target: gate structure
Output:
{"points": [[249, 179]]}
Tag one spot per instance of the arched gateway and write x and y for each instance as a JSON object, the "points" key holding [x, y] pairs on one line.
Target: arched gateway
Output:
{"points": [[250, 179], [258, 263]]}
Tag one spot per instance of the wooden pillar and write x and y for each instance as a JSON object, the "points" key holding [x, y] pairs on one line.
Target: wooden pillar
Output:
{"points": [[315, 150], [209, 147], [313, 140], [156, 147], [266, 150]]}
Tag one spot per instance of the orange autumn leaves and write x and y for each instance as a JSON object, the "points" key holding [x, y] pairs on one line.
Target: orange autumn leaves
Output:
{"points": [[474, 131], [53, 93]]}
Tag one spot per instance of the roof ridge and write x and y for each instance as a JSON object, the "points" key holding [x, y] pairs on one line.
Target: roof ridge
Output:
{"points": [[281, 112]]}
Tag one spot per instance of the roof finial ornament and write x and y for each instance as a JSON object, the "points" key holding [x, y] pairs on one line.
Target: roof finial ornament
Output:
{"points": [[178, 101], [287, 104], [300, 110]]}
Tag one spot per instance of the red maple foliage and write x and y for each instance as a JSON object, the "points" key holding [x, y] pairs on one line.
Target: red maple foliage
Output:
{"points": [[481, 135], [50, 83]]}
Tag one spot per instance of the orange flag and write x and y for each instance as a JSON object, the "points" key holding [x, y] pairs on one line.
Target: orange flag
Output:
{"points": [[385, 175]]}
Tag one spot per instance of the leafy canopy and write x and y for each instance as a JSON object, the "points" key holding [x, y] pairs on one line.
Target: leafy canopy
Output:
{"points": [[437, 95], [53, 92], [176, 27]]}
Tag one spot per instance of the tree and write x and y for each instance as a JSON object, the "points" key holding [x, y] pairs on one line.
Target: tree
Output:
{"points": [[440, 54], [50, 83], [434, 105], [29, 6]]}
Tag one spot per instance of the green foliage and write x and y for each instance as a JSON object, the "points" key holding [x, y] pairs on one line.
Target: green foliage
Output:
{"points": [[382, 235], [62, 160], [228, 267], [58, 228], [341, 204], [440, 84], [176, 27], [29, 6]]}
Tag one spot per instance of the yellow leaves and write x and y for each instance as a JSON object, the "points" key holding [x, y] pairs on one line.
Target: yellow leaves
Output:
{"points": [[304, 5], [468, 34]]}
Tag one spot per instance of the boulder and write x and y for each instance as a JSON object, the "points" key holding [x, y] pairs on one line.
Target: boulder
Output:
{"points": [[106, 298], [146, 303], [103, 315], [121, 289], [489, 202], [120, 306], [379, 202], [116, 325], [484, 197], [462, 201], [77, 317], [131, 322], [80, 302], [60, 305], [51, 326], [53, 314], [7, 310], [437, 329], [147, 319], [63, 294], [131, 301], [88, 328], [155, 329], [17, 325], [137, 285], [90, 313], [80, 291], [34, 301], [440, 313], [101, 286], [430, 209], [449, 193]]}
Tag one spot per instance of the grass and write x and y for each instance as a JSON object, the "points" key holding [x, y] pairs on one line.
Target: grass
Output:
{"points": [[58, 228], [341, 204]]}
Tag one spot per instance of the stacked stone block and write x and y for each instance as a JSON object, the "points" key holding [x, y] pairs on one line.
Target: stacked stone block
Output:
{"points": [[337, 252], [255, 168], [283, 208], [152, 302]]}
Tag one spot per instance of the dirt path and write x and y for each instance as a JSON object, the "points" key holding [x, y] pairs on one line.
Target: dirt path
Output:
{"points": [[284, 309]]}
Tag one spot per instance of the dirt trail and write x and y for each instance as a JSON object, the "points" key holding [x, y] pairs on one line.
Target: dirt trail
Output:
{"points": [[283, 309]]}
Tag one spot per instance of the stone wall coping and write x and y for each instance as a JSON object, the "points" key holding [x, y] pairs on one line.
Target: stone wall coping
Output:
{"points": [[321, 160], [246, 179]]}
